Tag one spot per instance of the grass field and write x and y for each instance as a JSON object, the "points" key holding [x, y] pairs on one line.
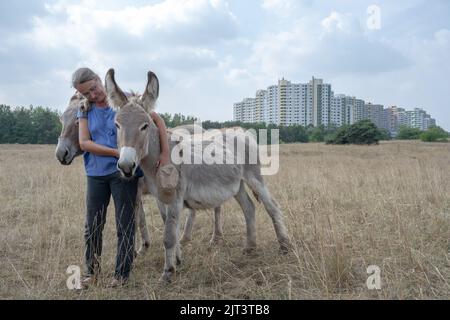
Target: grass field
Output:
{"points": [[346, 208]]}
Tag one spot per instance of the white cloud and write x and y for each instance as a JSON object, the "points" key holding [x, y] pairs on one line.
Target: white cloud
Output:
{"points": [[178, 35], [237, 75], [85, 19], [442, 37], [277, 4], [337, 46]]}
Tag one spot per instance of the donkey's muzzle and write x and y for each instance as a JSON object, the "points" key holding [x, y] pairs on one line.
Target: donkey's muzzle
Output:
{"points": [[127, 161], [62, 154], [127, 171]]}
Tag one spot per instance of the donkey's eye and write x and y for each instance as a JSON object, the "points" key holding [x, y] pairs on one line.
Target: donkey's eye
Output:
{"points": [[117, 126], [144, 127]]}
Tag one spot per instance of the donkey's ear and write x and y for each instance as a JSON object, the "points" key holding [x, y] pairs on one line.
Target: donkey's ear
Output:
{"points": [[151, 92], [116, 97], [76, 96]]}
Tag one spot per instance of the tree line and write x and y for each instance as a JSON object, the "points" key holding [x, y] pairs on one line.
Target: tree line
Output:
{"points": [[32, 125], [39, 125]]}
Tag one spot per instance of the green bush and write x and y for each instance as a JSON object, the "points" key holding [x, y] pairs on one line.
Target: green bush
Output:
{"points": [[434, 134], [384, 134], [362, 132], [407, 133]]}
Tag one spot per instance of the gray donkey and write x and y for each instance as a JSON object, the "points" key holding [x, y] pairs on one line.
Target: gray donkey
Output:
{"points": [[68, 149], [201, 186]]}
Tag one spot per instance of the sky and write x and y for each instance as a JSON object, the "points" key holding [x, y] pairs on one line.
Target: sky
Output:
{"points": [[209, 54]]}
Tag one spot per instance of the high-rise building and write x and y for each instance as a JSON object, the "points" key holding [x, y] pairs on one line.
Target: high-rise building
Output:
{"points": [[395, 117], [260, 111], [321, 101], [351, 109], [376, 114], [419, 119], [314, 103], [245, 110], [288, 103]]}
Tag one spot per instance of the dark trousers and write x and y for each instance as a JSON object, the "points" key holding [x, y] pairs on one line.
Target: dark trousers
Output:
{"points": [[99, 191]]}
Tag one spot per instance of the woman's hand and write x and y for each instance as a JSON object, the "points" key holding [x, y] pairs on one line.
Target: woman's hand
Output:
{"points": [[163, 160]]}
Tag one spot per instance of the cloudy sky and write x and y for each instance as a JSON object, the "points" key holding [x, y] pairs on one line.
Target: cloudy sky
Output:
{"points": [[211, 53]]}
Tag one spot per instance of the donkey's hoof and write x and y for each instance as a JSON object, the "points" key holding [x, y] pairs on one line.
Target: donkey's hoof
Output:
{"points": [[168, 276], [285, 247], [249, 250], [144, 248], [215, 241], [185, 240]]}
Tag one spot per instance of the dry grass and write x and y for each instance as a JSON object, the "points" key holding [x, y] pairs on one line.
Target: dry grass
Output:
{"points": [[346, 207]]}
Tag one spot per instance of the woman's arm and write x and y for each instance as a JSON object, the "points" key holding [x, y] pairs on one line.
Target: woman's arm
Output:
{"points": [[86, 144], [164, 141]]}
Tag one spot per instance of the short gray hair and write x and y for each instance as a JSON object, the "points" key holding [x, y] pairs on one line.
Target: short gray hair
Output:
{"points": [[83, 75]]}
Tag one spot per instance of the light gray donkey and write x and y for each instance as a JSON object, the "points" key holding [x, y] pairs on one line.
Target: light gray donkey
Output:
{"points": [[201, 186]]}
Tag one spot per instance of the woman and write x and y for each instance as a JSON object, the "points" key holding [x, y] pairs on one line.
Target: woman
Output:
{"points": [[98, 140]]}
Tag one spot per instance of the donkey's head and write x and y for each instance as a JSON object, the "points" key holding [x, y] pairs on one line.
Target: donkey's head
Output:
{"points": [[134, 125], [68, 144]]}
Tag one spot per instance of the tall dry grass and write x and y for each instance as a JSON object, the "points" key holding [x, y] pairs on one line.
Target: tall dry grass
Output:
{"points": [[346, 207]]}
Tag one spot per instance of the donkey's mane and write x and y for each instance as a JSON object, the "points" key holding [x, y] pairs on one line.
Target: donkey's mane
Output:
{"points": [[136, 97]]}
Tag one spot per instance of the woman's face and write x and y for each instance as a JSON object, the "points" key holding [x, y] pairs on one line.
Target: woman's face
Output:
{"points": [[92, 90]]}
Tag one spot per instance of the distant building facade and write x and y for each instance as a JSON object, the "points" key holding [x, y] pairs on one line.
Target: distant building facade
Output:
{"points": [[314, 103]]}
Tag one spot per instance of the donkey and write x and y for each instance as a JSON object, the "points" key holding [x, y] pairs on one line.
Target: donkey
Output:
{"points": [[201, 186]]}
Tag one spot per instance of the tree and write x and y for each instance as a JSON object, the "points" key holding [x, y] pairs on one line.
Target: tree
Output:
{"points": [[293, 133], [29, 125], [45, 125], [7, 124], [316, 134], [407, 133], [434, 134], [384, 134], [362, 132], [22, 132]]}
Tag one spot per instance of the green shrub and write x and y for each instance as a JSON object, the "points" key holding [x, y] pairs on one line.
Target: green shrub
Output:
{"points": [[362, 132], [434, 134], [407, 133]]}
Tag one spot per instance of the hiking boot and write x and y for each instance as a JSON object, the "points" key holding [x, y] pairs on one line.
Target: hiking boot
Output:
{"points": [[118, 282], [89, 281]]}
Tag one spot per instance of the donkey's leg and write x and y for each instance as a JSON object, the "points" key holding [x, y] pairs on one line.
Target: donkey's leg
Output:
{"points": [[187, 233], [217, 233], [249, 212], [256, 183], [142, 225], [171, 240], [162, 210], [178, 249]]}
